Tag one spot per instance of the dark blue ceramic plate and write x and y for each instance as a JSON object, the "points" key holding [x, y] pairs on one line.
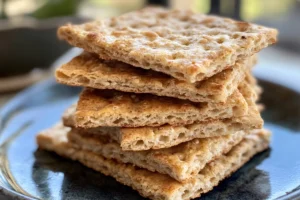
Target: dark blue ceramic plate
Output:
{"points": [[30, 173]]}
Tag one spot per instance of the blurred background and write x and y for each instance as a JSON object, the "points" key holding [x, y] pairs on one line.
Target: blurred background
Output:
{"points": [[29, 46]]}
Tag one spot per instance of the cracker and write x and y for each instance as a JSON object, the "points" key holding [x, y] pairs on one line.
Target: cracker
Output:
{"points": [[180, 43], [154, 185], [88, 71], [181, 162], [144, 138], [97, 108]]}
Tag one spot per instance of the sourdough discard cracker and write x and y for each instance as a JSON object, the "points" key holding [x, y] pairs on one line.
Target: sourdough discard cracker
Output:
{"points": [[97, 108], [88, 71], [180, 43], [181, 162], [144, 138]]}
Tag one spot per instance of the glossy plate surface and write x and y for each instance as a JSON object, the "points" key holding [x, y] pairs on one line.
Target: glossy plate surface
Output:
{"points": [[30, 173]]}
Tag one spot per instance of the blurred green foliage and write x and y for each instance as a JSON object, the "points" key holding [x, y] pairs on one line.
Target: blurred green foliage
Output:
{"points": [[55, 8], [51, 8], [2, 12]]}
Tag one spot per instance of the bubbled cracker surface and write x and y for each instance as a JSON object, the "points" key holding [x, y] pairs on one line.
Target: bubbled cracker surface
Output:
{"points": [[180, 43], [154, 185], [88, 71], [97, 108]]}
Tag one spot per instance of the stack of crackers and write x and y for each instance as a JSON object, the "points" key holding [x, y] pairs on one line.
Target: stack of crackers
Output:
{"points": [[169, 102]]}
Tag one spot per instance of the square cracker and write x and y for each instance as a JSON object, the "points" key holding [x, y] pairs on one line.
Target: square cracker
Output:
{"points": [[155, 185], [88, 70], [97, 108], [180, 162], [144, 138], [180, 43]]}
